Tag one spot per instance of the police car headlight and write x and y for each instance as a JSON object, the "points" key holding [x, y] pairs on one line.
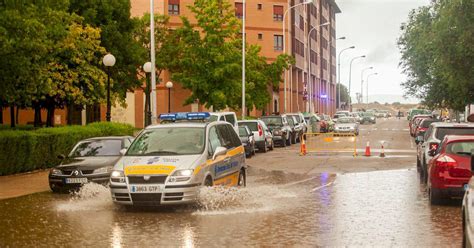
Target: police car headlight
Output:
{"points": [[183, 173], [103, 170], [55, 172], [117, 177]]}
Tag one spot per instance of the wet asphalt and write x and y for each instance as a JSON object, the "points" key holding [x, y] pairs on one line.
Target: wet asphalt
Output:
{"points": [[379, 208]]}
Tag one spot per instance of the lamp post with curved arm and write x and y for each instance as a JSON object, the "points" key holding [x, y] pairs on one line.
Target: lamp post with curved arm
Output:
{"points": [[350, 76], [308, 75], [362, 82], [284, 44], [339, 76], [367, 82]]}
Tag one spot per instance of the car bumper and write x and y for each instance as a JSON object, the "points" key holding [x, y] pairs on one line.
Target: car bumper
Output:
{"points": [[170, 195], [457, 193], [59, 182]]}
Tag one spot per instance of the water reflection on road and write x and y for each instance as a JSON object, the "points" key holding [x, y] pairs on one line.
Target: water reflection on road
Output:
{"points": [[376, 208]]}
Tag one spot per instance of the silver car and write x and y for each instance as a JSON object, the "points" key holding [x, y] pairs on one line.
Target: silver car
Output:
{"points": [[169, 163], [346, 125], [261, 133]]}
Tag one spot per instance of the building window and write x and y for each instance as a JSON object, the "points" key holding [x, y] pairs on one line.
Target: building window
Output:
{"points": [[260, 36], [278, 13], [173, 7], [278, 42], [239, 10], [259, 6], [301, 23], [314, 57]]}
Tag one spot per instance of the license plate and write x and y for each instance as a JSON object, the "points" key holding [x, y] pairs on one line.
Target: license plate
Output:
{"points": [[466, 187], [145, 188], [76, 180]]}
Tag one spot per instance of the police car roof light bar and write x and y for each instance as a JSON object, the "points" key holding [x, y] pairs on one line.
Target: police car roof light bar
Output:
{"points": [[185, 116]]}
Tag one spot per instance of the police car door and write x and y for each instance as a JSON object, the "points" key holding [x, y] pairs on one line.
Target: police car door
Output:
{"points": [[229, 172], [214, 142]]}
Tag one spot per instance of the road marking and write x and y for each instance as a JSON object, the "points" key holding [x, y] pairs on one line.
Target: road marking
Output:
{"points": [[323, 186], [301, 181], [389, 150], [406, 129], [374, 129], [385, 129]]}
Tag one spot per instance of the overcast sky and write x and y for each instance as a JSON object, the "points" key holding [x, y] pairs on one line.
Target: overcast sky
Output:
{"points": [[373, 26]]}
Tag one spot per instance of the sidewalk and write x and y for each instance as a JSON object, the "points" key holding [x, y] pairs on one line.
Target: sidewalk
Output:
{"points": [[23, 184]]}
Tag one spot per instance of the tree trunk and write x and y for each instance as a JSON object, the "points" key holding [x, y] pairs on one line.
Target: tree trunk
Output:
{"points": [[12, 115], [37, 122], [50, 118], [17, 115], [1, 114]]}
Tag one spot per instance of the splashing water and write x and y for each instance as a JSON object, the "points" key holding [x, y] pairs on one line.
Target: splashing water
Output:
{"points": [[91, 197]]}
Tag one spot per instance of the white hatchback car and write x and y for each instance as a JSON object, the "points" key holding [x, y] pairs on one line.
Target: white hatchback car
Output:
{"points": [[169, 163]]}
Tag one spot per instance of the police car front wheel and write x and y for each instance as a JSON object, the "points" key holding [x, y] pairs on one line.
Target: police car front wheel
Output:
{"points": [[242, 179]]}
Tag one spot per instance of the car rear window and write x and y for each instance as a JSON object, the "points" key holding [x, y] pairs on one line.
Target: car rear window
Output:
{"points": [[242, 132], [462, 148], [251, 125], [443, 131]]}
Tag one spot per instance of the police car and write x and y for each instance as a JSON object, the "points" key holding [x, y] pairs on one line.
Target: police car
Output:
{"points": [[168, 163]]}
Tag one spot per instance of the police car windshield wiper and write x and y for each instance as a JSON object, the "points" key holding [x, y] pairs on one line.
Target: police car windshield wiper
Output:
{"points": [[160, 153]]}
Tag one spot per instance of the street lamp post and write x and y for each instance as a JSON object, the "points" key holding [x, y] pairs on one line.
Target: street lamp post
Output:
{"points": [[169, 85], [362, 82], [243, 59], [350, 76], [147, 69], [284, 46], [152, 58], [339, 76], [308, 75], [109, 61], [367, 82]]}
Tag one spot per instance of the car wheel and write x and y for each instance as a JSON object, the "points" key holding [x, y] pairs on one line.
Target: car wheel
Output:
{"points": [[265, 147], [272, 146], [253, 149], [425, 171], [293, 139], [208, 182], [464, 237], [418, 165], [288, 141], [242, 179], [435, 197], [283, 141]]}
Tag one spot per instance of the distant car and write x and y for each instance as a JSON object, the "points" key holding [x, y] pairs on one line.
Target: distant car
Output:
{"points": [[468, 215], [346, 125], [413, 124], [248, 141], [313, 122], [337, 116], [91, 160], [343, 112], [229, 117], [300, 121], [368, 117], [357, 116], [262, 134], [429, 143], [278, 125], [449, 171], [326, 124], [423, 126]]}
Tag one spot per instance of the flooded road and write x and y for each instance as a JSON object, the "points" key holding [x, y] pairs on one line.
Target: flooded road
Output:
{"points": [[386, 208]]}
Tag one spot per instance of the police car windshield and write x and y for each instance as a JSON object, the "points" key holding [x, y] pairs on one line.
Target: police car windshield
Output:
{"points": [[169, 141]]}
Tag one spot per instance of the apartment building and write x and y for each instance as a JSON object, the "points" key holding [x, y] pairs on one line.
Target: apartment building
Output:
{"points": [[310, 83]]}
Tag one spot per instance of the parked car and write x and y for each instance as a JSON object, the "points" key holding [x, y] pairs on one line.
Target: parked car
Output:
{"points": [[229, 117], [429, 143], [169, 164], [343, 112], [300, 121], [346, 125], [415, 121], [423, 126], [414, 112], [313, 123], [278, 125], [468, 215], [356, 116], [337, 116], [449, 171], [91, 160], [368, 117], [296, 130], [261, 133], [248, 141]]}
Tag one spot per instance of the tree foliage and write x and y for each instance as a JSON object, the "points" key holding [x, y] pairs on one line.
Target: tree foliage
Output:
{"points": [[437, 46]]}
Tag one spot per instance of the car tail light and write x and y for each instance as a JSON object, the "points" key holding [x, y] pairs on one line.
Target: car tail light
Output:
{"points": [[260, 130], [434, 146], [445, 161]]}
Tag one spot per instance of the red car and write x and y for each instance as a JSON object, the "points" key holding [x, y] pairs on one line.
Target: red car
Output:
{"points": [[449, 171], [415, 121]]}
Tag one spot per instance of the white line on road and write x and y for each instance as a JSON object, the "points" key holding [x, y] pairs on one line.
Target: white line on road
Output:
{"points": [[323, 186]]}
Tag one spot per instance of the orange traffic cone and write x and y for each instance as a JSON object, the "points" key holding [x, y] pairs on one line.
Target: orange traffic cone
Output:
{"points": [[302, 147], [367, 150], [382, 153]]}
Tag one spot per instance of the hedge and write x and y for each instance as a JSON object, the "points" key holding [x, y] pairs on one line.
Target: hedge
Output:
{"points": [[22, 151]]}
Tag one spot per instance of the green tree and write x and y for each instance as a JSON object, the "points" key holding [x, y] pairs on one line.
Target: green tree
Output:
{"points": [[113, 18], [344, 94]]}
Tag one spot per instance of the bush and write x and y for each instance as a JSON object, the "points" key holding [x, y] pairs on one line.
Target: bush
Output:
{"points": [[22, 151]]}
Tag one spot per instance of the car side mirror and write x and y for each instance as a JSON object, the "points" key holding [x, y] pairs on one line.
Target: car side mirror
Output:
{"points": [[61, 156], [123, 151], [219, 151]]}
